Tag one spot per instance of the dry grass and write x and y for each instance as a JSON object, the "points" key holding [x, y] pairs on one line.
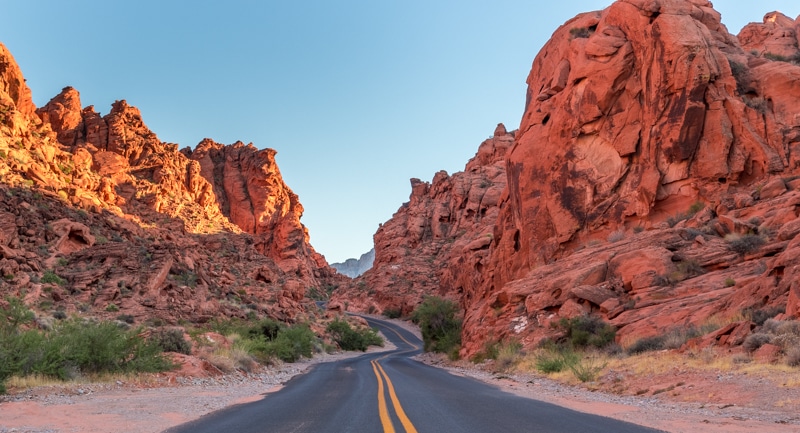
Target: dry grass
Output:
{"points": [[652, 364], [37, 380]]}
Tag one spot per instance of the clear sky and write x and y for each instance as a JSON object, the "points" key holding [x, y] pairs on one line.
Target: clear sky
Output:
{"points": [[357, 96]]}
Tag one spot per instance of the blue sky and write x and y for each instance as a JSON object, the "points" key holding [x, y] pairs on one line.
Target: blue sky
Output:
{"points": [[357, 97]]}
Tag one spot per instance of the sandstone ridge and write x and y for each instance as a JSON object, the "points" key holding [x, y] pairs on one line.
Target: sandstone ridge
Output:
{"points": [[101, 218], [653, 145]]}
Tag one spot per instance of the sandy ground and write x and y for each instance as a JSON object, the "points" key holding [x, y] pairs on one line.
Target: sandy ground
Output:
{"points": [[707, 402]]}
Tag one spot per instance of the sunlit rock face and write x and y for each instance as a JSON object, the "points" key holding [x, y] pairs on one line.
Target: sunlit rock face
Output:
{"points": [[126, 219], [649, 134]]}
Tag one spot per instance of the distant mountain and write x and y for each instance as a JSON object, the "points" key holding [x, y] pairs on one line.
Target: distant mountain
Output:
{"points": [[353, 268]]}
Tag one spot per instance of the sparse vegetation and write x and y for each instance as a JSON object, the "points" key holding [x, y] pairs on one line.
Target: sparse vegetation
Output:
{"points": [[580, 32], [351, 339], [71, 348], [795, 59], [740, 74], [268, 340], [172, 340], [744, 244], [392, 313], [587, 331], [50, 277], [616, 236], [730, 282], [440, 325], [694, 208]]}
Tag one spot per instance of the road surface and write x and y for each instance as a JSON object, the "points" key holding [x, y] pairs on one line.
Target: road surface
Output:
{"points": [[388, 392]]}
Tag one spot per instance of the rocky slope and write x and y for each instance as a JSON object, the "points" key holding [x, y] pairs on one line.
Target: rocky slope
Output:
{"points": [[438, 241], [652, 181], [102, 218], [355, 267]]}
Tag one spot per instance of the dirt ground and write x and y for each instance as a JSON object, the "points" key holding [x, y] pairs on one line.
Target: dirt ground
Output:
{"points": [[679, 399]]}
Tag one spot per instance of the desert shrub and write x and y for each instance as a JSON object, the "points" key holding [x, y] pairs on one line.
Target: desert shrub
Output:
{"points": [[647, 344], [587, 368], [112, 308], [268, 328], [392, 313], [616, 236], [171, 340], [684, 270], [292, 344], [730, 282], [742, 358], [760, 315], [585, 331], [779, 58], [740, 74], [105, 347], [440, 325], [555, 359], [51, 277], [756, 340], [507, 355], [127, 318], [744, 244], [350, 339], [793, 357], [580, 32]]}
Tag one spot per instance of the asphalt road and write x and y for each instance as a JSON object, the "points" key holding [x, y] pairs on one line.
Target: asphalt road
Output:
{"points": [[389, 392]]}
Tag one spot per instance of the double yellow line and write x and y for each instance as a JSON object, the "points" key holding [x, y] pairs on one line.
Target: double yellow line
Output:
{"points": [[383, 410]]}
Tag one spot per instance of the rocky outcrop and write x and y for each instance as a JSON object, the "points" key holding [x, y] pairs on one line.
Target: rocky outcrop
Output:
{"points": [[652, 182], [101, 218], [439, 240], [355, 267]]}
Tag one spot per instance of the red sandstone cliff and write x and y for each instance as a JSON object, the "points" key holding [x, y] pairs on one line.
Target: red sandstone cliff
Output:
{"points": [[437, 241], [650, 133], [99, 215]]}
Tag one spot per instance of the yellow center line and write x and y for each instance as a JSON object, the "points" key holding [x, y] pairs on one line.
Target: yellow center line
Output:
{"points": [[401, 337], [388, 427], [396, 402]]}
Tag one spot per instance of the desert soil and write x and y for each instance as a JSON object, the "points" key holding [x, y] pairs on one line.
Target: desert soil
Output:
{"points": [[698, 401]]}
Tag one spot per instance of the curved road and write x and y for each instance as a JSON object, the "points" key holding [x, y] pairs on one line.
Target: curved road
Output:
{"points": [[389, 392]]}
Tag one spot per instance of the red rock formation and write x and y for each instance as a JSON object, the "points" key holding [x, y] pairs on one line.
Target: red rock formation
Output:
{"points": [[640, 117], [13, 86], [250, 190], [439, 241], [98, 215]]}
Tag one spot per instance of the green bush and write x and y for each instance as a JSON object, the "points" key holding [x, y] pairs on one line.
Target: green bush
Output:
{"points": [[73, 347], [440, 325], [350, 339], [171, 340], [51, 277], [393, 313], [585, 331], [292, 344], [267, 328], [555, 359]]}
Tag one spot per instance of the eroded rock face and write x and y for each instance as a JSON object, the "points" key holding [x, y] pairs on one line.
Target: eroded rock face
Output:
{"points": [[437, 242], [650, 133], [98, 215], [634, 114], [249, 188]]}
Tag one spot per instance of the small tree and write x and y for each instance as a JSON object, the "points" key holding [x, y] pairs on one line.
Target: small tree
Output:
{"points": [[440, 325]]}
